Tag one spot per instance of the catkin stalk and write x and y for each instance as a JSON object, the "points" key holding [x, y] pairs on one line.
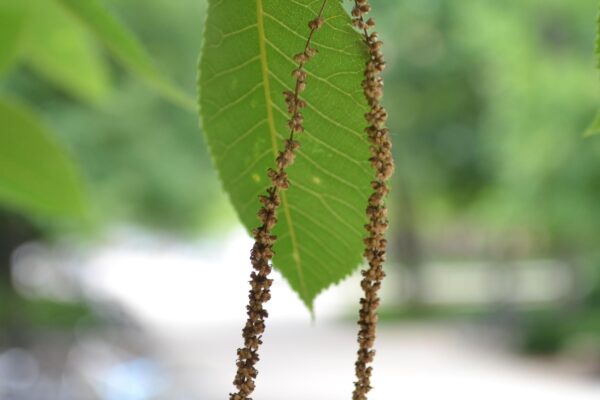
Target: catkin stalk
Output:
{"points": [[262, 251], [382, 163]]}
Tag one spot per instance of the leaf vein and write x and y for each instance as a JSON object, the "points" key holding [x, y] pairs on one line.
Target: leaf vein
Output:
{"points": [[237, 101], [228, 71], [317, 77]]}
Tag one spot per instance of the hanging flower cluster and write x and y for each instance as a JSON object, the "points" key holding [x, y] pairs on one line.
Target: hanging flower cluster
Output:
{"points": [[262, 251], [382, 163]]}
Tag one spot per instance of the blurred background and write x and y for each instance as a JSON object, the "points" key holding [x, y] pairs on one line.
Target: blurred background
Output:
{"points": [[493, 284]]}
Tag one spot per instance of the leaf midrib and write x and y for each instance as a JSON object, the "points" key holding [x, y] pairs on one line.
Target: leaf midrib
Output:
{"points": [[262, 42]]}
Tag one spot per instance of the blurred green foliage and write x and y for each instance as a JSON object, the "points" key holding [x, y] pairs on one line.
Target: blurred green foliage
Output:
{"points": [[35, 175], [142, 154], [134, 140], [594, 129], [12, 16], [62, 51], [125, 47], [488, 100], [23, 313]]}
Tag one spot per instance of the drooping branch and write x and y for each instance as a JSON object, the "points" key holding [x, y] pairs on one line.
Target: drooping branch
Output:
{"points": [[382, 163], [262, 251]]}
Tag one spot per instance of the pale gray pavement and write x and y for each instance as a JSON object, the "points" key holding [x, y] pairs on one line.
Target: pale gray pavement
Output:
{"points": [[415, 361]]}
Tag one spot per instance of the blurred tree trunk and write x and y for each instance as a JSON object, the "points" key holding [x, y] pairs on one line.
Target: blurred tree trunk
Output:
{"points": [[14, 231], [409, 248]]}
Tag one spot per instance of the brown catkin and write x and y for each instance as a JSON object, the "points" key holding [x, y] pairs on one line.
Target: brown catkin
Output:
{"points": [[262, 251], [382, 163]]}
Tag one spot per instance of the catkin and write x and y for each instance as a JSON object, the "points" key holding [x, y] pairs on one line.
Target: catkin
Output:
{"points": [[382, 163], [262, 251]]}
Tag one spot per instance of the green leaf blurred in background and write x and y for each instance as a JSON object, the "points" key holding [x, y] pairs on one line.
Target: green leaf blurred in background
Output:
{"points": [[12, 15], [35, 174]]}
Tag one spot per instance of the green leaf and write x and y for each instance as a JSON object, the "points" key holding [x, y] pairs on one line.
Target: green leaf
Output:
{"points": [[36, 177], [12, 18], [594, 128], [63, 52], [125, 47], [245, 67], [598, 41]]}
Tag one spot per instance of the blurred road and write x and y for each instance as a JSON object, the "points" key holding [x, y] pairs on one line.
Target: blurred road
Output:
{"points": [[185, 303], [418, 361]]}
